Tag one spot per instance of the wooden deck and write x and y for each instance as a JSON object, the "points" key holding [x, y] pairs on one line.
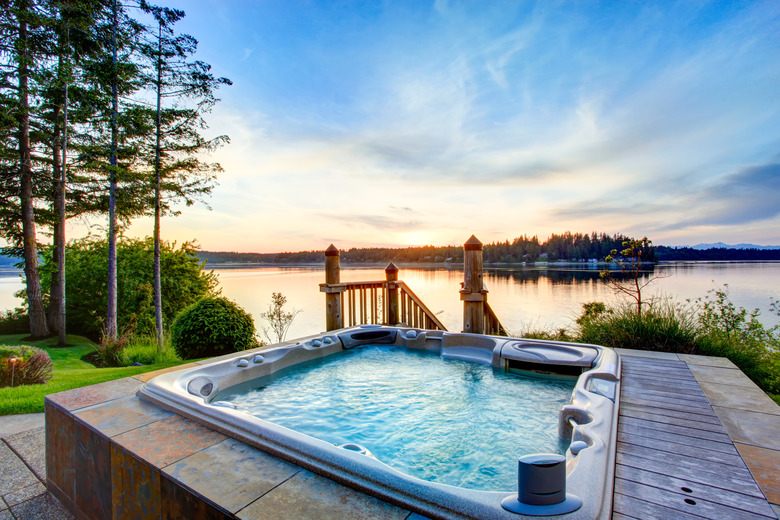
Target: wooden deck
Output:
{"points": [[675, 459]]}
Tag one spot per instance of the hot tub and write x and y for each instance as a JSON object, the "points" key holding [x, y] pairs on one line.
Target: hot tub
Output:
{"points": [[584, 421]]}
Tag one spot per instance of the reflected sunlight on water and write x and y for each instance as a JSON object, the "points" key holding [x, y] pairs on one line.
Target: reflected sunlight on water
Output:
{"points": [[524, 298]]}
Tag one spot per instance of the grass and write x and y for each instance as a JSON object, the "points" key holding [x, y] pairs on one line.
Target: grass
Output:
{"points": [[69, 372]]}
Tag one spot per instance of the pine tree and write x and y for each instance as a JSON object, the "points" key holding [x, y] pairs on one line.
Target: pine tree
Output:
{"points": [[178, 174]]}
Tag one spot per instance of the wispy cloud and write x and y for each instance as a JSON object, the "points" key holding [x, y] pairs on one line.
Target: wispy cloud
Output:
{"points": [[496, 119]]}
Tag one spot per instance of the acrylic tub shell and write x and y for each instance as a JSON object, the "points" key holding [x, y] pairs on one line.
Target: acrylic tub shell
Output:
{"points": [[590, 416]]}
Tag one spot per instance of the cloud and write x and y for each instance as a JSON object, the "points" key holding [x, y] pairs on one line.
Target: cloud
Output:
{"points": [[746, 196], [378, 222]]}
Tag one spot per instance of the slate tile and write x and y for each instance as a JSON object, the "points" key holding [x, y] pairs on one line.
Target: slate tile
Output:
{"points": [[231, 473], [92, 474], [135, 487], [753, 428], [178, 503], [727, 376], [121, 415], [90, 395], [742, 398], [164, 442], [693, 359], [307, 496], [764, 464], [60, 452]]}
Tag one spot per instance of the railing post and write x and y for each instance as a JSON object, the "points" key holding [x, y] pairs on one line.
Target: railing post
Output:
{"points": [[391, 275], [333, 318], [473, 293]]}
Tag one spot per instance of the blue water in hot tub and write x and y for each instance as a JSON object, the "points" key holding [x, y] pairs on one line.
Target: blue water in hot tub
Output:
{"points": [[445, 421]]}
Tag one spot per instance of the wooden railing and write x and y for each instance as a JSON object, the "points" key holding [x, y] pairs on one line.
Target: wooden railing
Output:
{"points": [[392, 302], [370, 303], [364, 303], [384, 302], [493, 326], [414, 313]]}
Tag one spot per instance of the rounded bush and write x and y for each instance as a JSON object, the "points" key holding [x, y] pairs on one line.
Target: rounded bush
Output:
{"points": [[212, 327], [24, 365]]}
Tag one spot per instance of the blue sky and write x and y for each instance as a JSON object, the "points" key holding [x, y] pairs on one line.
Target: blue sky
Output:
{"points": [[407, 123]]}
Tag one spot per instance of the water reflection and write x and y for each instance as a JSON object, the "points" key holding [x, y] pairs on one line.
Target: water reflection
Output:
{"points": [[523, 297]]}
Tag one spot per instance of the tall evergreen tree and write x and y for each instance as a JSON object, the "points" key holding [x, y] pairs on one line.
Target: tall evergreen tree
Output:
{"points": [[25, 49], [188, 87]]}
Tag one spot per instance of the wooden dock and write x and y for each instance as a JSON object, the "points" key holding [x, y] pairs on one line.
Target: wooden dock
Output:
{"points": [[675, 459]]}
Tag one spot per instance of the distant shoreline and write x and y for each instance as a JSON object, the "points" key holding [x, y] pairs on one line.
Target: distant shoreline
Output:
{"points": [[455, 265]]}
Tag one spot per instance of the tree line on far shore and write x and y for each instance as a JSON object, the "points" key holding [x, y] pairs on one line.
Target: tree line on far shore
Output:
{"points": [[564, 247]]}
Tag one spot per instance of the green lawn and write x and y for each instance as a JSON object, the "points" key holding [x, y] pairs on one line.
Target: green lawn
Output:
{"points": [[69, 372]]}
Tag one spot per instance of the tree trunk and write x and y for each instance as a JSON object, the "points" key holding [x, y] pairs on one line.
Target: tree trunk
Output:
{"points": [[53, 312], [111, 313], [36, 311], [61, 310], [157, 209]]}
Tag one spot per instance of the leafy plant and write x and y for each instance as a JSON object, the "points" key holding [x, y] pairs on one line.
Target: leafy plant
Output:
{"points": [[24, 365], [144, 349], [183, 283], [735, 333], [278, 319], [14, 322], [631, 261], [212, 327]]}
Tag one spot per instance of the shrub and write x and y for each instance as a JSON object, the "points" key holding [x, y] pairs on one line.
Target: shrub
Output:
{"points": [[14, 322], [23, 365], [664, 327], [278, 319], [143, 349], [184, 282], [733, 332], [110, 351], [212, 327]]}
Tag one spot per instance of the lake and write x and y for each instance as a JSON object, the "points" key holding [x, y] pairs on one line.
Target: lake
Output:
{"points": [[524, 298]]}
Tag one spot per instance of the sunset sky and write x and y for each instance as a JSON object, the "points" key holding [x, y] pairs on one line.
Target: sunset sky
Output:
{"points": [[408, 123]]}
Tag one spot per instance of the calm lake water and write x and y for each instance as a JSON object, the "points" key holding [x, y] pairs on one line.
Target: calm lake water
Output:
{"points": [[523, 298]]}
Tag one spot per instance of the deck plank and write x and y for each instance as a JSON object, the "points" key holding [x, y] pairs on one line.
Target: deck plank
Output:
{"points": [[682, 504], [678, 376], [696, 490], [679, 407], [696, 470], [658, 413], [697, 402], [671, 374], [722, 448], [634, 507], [686, 450], [638, 424]]}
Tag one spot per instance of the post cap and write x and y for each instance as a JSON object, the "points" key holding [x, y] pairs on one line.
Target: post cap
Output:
{"points": [[473, 244], [391, 267], [332, 251]]}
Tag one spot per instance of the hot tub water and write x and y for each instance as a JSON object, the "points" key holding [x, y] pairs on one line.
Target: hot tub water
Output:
{"points": [[446, 421]]}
